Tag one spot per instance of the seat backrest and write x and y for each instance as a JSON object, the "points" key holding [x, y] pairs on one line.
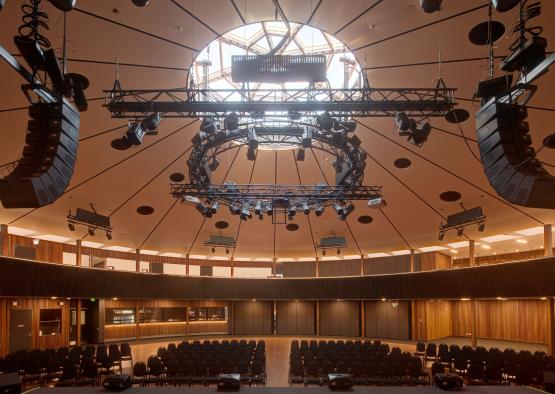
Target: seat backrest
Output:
{"points": [[437, 367], [139, 369]]}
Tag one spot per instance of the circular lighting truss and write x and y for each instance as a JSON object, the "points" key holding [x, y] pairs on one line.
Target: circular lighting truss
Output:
{"points": [[326, 134]]}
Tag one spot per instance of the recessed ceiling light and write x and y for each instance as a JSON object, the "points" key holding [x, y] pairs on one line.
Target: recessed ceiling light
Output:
{"points": [[522, 241], [454, 251], [487, 247]]}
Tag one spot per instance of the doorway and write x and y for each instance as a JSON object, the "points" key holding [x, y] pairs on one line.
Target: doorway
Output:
{"points": [[21, 330]]}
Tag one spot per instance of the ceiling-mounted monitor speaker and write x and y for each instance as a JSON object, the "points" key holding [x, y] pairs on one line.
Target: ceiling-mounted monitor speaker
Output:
{"points": [[64, 5], [504, 5], [140, 3], [430, 6]]}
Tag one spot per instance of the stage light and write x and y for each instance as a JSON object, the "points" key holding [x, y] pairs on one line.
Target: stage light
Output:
{"points": [[253, 139], [460, 232], [235, 209], [258, 208], [319, 210], [91, 231], [326, 122], [269, 209], [323, 252], [307, 138], [135, 133], [338, 208], [300, 155], [231, 121], [36, 241], [151, 123], [71, 226], [208, 125], [403, 122], [140, 3], [355, 140], [213, 250], [251, 154], [348, 209], [338, 251], [481, 227], [420, 135], [213, 166], [430, 6], [337, 164], [226, 251], [306, 208], [109, 235], [441, 235], [203, 209], [292, 211], [245, 212], [78, 84], [214, 207]]}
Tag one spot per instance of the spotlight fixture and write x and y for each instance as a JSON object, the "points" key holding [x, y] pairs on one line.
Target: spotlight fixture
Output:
{"points": [[349, 208], [135, 133], [71, 226], [203, 209], [306, 208], [337, 164], [460, 232], [319, 210], [430, 6], [326, 122], [258, 208], [307, 138], [109, 235], [208, 125], [338, 252], [231, 121], [213, 250], [91, 231], [253, 139], [481, 227], [214, 164], [269, 209], [338, 208], [36, 241], [441, 235], [292, 211], [403, 122], [234, 209], [213, 206], [151, 123], [300, 155], [251, 154], [245, 212], [420, 135], [323, 252], [226, 251]]}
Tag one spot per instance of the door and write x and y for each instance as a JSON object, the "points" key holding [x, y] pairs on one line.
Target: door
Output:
{"points": [[21, 331]]}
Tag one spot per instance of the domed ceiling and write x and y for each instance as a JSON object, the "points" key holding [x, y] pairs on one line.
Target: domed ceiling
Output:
{"points": [[395, 41]]}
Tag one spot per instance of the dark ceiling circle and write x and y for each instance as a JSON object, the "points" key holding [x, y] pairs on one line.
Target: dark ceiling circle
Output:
{"points": [[450, 196], [402, 162], [292, 227], [479, 35], [177, 177], [221, 224], [145, 210], [549, 141], [365, 219], [120, 144], [457, 115]]}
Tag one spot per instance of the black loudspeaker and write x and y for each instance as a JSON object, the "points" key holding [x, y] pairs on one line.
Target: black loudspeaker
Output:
{"points": [[45, 168], [10, 383], [117, 382], [509, 159], [229, 382], [340, 381], [448, 381]]}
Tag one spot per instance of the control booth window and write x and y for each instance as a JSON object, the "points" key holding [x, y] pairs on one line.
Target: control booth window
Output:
{"points": [[120, 316], [157, 315], [208, 314], [50, 322]]}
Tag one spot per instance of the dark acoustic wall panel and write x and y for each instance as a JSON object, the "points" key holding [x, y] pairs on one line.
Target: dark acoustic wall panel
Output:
{"points": [[156, 268], [295, 317], [299, 269], [253, 318], [340, 268], [206, 270], [390, 264], [25, 252], [384, 320], [340, 318], [526, 279]]}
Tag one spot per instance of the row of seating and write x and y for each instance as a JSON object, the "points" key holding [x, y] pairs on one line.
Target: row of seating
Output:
{"points": [[191, 363], [66, 366], [369, 363]]}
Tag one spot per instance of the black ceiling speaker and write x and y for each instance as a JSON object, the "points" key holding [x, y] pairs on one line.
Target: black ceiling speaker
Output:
{"points": [[140, 3], [430, 6], [64, 5], [45, 168], [508, 158], [504, 5]]}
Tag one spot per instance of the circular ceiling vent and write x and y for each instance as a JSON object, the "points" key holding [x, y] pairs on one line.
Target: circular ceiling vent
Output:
{"points": [[292, 227], [402, 162], [365, 219], [450, 196], [145, 210], [458, 115], [221, 224], [177, 177]]}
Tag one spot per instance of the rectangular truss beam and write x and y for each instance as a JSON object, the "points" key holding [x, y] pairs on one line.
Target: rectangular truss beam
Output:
{"points": [[364, 102]]}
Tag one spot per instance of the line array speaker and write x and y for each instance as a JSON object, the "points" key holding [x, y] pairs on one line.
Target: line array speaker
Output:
{"points": [[508, 158], [44, 170]]}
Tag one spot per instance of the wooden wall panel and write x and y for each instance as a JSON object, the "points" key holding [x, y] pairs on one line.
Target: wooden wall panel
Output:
{"points": [[462, 318], [383, 320], [387, 265], [298, 269], [443, 261], [434, 319], [340, 318], [253, 318], [295, 317], [47, 251], [120, 331], [208, 327], [339, 267], [501, 258], [162, 329]]}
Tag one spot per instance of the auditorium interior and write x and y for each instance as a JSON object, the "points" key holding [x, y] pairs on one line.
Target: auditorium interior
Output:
{"points": [[277, 195]]}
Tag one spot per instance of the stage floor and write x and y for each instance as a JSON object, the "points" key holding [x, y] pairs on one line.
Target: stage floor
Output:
{"points": [[294, 390]]}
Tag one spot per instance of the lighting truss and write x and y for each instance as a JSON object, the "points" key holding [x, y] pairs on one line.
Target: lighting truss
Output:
{"points": [[362, 103]]}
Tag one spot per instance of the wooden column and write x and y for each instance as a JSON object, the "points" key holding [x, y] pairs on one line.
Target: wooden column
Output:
{"points": [[317, 262], [274, 317], [78, 255], [474, 323], [550, 312], [187, 265], [362, 265], [547, 240], [4, 240], [187, 311], [471, 252], [78, 322], [274, 266], [362, 319], [412, 260], [232, 317], [137, 326], [137, 260], [413, 327], [232, 267], [317, 318]]}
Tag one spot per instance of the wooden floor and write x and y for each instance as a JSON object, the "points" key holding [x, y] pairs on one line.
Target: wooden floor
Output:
{"points": [[277, 351]]}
